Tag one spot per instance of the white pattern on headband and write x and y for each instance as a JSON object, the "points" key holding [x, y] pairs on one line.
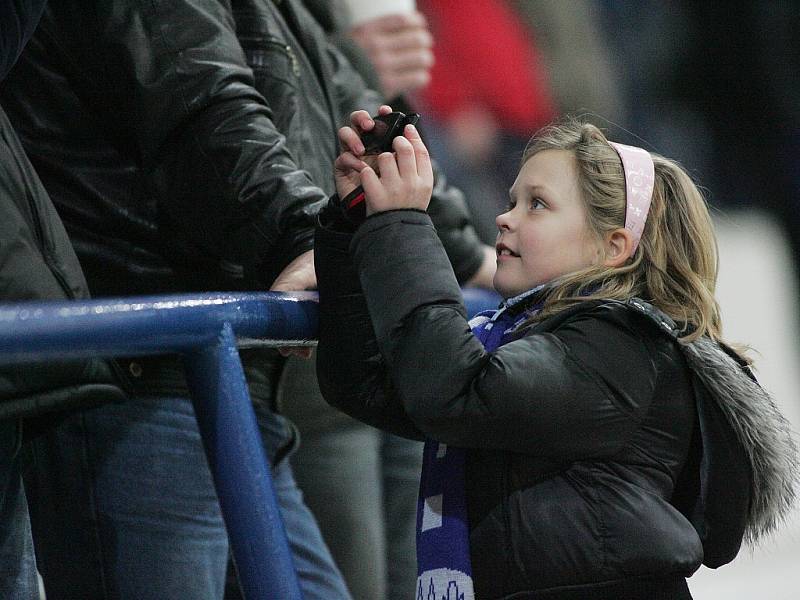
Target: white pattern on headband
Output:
{"points": [[637, 165]]}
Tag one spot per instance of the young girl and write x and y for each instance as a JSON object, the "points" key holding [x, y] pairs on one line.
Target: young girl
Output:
{"points": [[594, 437]]}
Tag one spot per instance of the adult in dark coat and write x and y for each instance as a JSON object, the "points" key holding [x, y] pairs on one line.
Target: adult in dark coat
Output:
{"points": [[188, 146]]}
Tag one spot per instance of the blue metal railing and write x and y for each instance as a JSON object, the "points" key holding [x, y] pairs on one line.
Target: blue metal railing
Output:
{"points": [[206, 329]]}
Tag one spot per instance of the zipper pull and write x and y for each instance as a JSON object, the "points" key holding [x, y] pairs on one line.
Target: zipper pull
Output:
{"points": [[293, 58]]}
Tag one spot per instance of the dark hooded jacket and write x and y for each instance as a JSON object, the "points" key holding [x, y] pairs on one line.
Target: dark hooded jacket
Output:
{"points": [[605, 459], [37, 261]]}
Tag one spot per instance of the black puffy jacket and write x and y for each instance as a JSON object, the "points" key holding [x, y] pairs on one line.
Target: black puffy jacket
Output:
{"points": [[599, 465], [188, 144], [37, 263]]}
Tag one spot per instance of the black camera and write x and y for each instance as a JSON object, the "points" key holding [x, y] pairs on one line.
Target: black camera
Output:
{"points": [[387, 127], [351, 210]]}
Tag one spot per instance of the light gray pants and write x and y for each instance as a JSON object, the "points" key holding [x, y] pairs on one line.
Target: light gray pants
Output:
{"points": [[360, 483]]}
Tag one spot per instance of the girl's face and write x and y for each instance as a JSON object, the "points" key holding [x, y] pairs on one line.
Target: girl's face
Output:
{"points": [[544, 234]]}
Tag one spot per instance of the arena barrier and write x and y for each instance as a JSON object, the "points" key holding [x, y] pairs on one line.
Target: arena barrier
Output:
{"points": [[207, 329]]}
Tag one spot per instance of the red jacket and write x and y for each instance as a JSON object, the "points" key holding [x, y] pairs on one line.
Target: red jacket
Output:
{"points": [[486, 57]]}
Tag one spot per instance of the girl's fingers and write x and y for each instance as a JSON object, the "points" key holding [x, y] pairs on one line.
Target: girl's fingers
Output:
{"points": [[406, 162], [421, 154], [361, 120], [351, 141], [387, 165], [347, 161], [373, 188]]}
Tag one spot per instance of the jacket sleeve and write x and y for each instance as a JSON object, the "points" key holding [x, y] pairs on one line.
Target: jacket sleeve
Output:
{"points": [[351, 372], [453, 222], [577, 392], [184, 97]]}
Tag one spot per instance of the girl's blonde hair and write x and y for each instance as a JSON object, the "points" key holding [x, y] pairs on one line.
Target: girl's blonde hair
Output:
{"points": [[675, 264]]}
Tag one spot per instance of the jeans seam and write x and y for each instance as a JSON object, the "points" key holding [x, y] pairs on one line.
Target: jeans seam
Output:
{"points": [[92, 498]]}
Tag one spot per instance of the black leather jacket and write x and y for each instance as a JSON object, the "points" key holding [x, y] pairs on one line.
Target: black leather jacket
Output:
{"points": [[187, 145]]}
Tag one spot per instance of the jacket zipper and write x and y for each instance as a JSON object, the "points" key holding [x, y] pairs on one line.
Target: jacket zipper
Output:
{"points": [[295, 62], [255, 42]]}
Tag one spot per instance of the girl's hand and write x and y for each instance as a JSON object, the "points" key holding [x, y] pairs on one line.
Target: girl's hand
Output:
{"points": [[351, 161], [406, 177]]}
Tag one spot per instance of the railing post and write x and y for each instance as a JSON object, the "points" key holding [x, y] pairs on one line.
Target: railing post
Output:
{"points": [[240, 470]]}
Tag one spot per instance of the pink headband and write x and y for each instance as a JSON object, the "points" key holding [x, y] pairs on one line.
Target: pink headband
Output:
{"points": [[639, 171]]}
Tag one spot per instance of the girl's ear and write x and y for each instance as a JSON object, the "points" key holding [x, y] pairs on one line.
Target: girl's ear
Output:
{"points": [[619, 247]]}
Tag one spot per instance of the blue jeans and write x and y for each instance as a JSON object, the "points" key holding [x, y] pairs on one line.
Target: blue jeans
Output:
{"points": [[123, 506], [18, 579]]}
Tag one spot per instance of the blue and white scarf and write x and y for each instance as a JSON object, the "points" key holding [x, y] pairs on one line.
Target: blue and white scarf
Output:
{"points": [[444, 571]]}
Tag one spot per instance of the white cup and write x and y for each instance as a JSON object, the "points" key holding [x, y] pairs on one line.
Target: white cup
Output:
{"points": [[366, 10]]}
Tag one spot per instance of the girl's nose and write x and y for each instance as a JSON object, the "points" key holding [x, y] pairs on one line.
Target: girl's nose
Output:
{"points": [[503, 221]]}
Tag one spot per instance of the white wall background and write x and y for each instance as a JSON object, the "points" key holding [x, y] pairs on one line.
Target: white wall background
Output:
{"points": [[759, 300]]}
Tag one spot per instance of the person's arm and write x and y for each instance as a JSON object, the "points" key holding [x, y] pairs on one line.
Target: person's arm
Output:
{"points": [[566, 394], [473, 262], [351, 373], [177, 88], [350, 369], [471, 259]]}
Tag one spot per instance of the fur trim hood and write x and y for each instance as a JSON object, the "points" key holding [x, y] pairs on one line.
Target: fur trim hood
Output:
{"points": [[738, 419]]}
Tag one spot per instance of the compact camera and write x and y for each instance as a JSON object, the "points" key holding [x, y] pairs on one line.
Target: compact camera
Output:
{"points": [[351, 210], [387, 127]]}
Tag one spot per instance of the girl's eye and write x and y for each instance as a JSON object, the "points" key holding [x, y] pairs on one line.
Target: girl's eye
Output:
{"points": [[536, 204]]}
